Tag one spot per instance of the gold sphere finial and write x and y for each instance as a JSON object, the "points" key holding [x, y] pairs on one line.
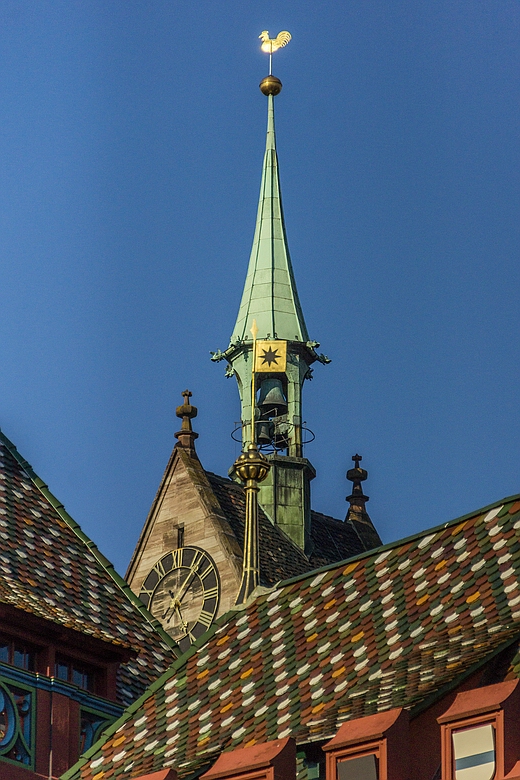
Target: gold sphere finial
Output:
{"points": [[271, 85], [251, 465]]}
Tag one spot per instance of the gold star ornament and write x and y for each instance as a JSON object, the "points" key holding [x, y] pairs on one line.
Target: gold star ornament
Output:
{"points": [[271, 357]]}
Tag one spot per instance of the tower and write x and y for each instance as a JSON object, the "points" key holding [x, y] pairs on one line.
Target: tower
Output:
{"points": [[208, 540], [270, 314]]}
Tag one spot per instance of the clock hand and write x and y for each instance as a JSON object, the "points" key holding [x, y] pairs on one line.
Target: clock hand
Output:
{"points": [[182, 621], [171, 605], [174, 608], [187, 582]]}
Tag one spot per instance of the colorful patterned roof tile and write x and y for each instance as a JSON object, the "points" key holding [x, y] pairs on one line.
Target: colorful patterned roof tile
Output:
{"points": [[394, 627], [50, 569]]}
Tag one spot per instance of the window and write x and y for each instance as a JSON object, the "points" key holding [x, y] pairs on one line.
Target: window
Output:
{"points": [[74, 672], [273, 760], [180, 536], [17, 653], [372, 748], [474, 753], [360, 768], [479, 733]]}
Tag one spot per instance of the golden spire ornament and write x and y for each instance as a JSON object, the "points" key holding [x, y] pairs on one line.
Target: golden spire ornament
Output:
{"points": [[270, 45], [254, 332], [252, 468]]}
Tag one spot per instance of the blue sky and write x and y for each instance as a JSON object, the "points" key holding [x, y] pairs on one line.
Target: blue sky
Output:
{"points": [[131, 138]]}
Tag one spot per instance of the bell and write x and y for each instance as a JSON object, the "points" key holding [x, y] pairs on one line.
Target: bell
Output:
{"points": [[272, 399], [264, 432]]}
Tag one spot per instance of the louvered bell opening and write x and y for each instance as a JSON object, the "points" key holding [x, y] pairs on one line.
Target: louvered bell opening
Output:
{"points": [[360, 768], [474, 753]]}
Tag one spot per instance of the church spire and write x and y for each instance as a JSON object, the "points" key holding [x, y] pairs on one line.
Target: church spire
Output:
{"points": [[270, 296], [271, 368]]}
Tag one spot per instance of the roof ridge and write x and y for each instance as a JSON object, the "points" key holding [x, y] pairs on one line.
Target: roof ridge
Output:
{"points": [[398, 542], [327, 517], [103, 561]]}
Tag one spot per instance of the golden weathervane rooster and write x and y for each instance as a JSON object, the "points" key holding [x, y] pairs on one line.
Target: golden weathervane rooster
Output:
{"points": [[269, 45]]}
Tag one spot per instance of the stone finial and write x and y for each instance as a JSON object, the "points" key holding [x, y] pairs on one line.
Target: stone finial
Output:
{"points": [[186, 436], [357, 514], [357, 475]]}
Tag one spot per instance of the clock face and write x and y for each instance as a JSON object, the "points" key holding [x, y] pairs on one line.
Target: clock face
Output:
{"points": [[182, 591]]}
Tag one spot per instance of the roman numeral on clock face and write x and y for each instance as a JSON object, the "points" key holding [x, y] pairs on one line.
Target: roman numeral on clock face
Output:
{"points": [[174, 589], [205, 618], [197, 560], [145, 596], [159, 568], [209, 568]]}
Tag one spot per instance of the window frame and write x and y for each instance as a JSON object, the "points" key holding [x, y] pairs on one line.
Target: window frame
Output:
{"points": [[384, 734], [377, 748], [74, 664], [497, 705], [496, 720], [29, 649], [271, 760]]}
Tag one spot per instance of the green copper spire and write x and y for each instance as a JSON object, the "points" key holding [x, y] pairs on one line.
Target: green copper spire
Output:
{"points": [[270, 296], [271, 370]]}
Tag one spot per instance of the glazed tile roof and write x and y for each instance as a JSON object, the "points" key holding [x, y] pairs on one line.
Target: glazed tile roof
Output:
{"points": [[50, 569], [280, 558], [393, 627]]}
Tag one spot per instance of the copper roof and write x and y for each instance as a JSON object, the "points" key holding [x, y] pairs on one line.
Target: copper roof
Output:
{"points": [[393, 627]]}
